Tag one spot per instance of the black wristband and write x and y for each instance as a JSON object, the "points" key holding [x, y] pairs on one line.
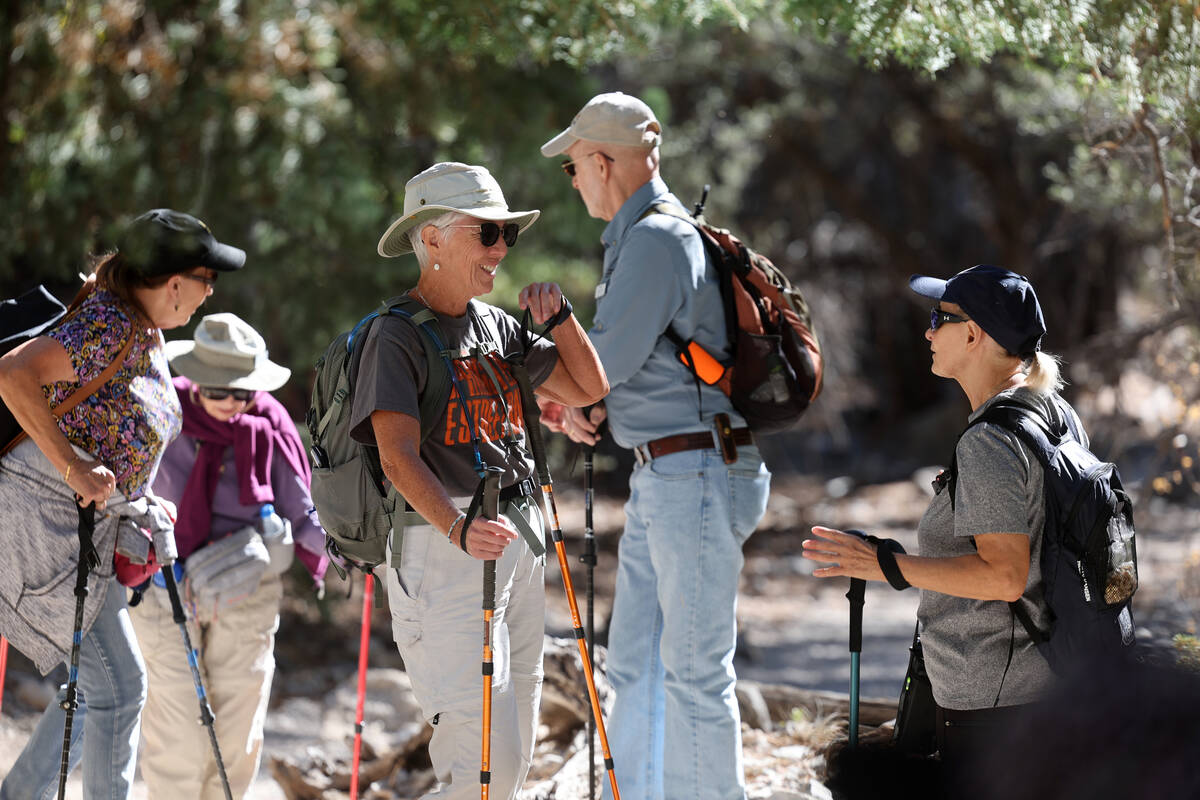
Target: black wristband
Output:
{"points": [[564, 311], [885, 554]]}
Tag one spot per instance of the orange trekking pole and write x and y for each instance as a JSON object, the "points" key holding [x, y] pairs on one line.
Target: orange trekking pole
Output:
{"points": [[532, 416], [490, 508], [364, 644]]}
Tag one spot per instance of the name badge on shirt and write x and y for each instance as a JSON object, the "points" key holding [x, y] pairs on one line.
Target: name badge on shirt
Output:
{"points": [[601, 290]]}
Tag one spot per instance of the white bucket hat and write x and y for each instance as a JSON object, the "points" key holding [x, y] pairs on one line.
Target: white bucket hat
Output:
{"points": [[226, 352], [610, 118], [449, 186]]}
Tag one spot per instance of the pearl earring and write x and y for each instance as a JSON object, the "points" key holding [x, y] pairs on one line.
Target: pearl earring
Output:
{"points": [[436, 267]]}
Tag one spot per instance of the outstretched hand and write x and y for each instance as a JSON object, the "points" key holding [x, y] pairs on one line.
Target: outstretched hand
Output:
{"points": [[848, 554]]}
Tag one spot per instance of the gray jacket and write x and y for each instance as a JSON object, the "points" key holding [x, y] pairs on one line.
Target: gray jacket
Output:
{"points": [[40, 556]]}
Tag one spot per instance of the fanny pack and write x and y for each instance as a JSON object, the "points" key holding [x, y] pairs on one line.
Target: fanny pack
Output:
{"points": [[226, 571]]}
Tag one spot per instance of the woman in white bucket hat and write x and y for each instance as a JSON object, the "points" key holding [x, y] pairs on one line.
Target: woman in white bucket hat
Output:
{"points": [[238, 453], [458, 224]]}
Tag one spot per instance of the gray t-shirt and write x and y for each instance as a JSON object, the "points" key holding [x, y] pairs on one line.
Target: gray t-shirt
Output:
{"points": [[967, 642], [392, 372]]}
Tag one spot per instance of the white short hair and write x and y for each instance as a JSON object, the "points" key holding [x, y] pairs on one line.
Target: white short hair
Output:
{"points": [[441, 222]]}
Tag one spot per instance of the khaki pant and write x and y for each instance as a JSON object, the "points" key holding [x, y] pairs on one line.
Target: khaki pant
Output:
{"points": [[237, 663], [437, 622]]}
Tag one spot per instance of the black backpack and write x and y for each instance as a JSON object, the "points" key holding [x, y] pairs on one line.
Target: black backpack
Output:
{"points": [[1089, 555], [355, 505], [21, 319]]}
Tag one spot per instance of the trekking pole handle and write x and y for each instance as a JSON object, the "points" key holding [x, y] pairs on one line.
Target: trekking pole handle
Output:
{"points": [[490, 509]]}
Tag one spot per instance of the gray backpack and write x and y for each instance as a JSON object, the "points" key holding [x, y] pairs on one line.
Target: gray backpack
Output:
{"points": [[355, 504]]}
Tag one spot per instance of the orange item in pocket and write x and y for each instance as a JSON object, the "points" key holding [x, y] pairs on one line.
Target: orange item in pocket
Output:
{"points": [[706, 368]]}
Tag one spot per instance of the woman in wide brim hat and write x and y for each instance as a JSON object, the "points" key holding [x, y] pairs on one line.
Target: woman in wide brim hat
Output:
{"points": [[104, 450], [458, 224], [238, 451]]}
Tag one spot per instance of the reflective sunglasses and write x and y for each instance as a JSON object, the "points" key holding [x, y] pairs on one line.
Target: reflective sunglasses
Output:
{"points": [[489, 232], [569, 165], [215, 393], [205, 279], [938, 318]]}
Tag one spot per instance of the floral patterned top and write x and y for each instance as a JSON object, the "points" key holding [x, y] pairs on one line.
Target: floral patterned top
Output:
{"points": [[129, 421]]}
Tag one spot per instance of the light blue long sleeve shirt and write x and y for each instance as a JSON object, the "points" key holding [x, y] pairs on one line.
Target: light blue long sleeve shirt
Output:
{"points": [[656, 273]]}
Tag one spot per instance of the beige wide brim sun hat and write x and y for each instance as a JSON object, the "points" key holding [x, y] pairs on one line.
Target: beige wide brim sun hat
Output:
{"points": [[226, 352], [449, 186]]}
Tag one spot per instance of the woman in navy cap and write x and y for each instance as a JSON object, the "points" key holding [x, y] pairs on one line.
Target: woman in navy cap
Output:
{"points": [[980, 547], [105, 450]]}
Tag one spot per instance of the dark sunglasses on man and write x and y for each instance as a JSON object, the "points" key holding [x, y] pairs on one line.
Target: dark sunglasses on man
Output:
{"points": [[489, 232], [568, 166], [222, 393], [938, 318]]}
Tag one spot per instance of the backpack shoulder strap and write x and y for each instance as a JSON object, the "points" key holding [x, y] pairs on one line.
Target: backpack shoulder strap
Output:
{"points": [[437, 367]]}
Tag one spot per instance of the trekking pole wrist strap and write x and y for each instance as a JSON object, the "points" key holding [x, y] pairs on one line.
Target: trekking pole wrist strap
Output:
{"points": [[885, 554], [564, 312]]}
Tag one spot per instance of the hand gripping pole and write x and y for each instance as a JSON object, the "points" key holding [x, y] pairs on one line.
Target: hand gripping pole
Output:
{"points": [[490, 508], [206, 714], [532, 416]]}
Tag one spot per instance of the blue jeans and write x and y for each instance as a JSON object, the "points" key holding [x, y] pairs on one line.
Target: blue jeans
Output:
{"points": [[111, 692], [674, 724]]}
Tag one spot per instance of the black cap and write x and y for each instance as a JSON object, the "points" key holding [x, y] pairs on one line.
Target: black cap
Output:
{"points": [[163, 241], [1003, 303]]}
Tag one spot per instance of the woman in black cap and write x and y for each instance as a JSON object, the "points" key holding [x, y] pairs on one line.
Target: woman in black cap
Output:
{"points": [[980, 548], [103, 450]]}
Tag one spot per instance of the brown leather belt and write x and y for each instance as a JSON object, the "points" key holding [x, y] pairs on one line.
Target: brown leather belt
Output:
{"points": [[700, 440]]}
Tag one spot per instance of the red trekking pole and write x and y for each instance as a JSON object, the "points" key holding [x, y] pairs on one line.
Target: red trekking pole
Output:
{"points": [[3, 666], [363, 645]]}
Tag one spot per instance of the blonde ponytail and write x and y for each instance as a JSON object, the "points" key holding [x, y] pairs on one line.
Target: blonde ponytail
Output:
{"points": [[1042, 374]]}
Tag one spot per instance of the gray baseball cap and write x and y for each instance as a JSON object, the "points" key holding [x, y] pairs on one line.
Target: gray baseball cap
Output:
{"points": [[610, 118]]}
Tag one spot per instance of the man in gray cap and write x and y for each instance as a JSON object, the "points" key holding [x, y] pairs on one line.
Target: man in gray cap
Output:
{"points": [[690, 509]]}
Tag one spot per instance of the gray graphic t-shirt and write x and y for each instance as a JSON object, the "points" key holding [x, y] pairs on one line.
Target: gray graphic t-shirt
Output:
{"points": [[392, 373], [966, 642]]}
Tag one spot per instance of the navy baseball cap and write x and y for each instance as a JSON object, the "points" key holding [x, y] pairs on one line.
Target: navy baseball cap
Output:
{"points": [[1001, 302], [163, 242]]}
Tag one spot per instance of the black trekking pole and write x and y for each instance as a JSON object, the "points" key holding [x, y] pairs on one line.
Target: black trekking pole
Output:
{"points": [[589, 559], [490, 508], [206, 714], [532, 418], [88, 560]]}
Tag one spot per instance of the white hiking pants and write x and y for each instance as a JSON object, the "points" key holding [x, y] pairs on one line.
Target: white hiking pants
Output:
{"points": [[436, 600]]}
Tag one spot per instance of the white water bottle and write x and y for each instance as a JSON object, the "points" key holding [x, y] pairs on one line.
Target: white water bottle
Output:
{"points": [[277, 536]]}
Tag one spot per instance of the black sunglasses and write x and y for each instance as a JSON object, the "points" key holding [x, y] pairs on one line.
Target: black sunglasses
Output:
{"points": [[205, 279], [214, 393], [938, 318], [569, 165], [489, 232]]}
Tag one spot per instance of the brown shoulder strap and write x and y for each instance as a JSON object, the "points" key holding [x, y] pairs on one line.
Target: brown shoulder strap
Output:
{"points": [[90, 388]]}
